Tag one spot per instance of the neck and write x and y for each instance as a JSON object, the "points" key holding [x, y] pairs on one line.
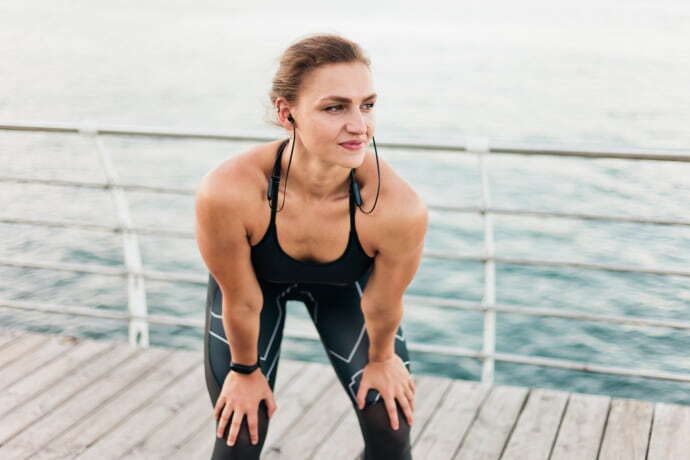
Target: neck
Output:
{"points": [[313, 179]]}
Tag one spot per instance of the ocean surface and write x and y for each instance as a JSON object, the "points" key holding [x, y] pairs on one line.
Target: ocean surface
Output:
{"points": [[599, 74]]}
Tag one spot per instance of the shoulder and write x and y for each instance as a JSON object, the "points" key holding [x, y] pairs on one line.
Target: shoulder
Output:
{"points": [[236, 186], [239, 178], [403, 218]]}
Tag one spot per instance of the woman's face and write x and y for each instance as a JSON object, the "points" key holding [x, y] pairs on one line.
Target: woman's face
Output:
{"points": [[336, 105]]}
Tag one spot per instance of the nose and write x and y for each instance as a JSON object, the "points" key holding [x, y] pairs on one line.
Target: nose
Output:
{"points": [[357, 123]]}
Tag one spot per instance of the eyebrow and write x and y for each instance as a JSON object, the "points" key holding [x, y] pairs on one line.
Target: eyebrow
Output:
{"points": [[345, 99]]}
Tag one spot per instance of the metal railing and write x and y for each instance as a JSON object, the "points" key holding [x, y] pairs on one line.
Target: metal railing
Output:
{"points": [[139, 319]]}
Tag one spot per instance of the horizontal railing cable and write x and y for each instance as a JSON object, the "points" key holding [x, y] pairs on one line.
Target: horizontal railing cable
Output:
{"points": [[417, 347], [628, 153], [194, 278]]}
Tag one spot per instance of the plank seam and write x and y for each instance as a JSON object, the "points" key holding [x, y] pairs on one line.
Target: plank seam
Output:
{"points": [[54, 382], [147, 403], [560, 424], [113, 396], [517, 420], [26, 352], [71, 395], [484, 397], [606, 424], [438, 405], [649, 435]]}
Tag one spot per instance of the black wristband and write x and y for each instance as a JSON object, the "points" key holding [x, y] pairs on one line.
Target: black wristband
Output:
{"points": [[243, 368]]}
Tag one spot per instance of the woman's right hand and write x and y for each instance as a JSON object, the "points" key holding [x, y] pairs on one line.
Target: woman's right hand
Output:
{"points": [[241, 394]]}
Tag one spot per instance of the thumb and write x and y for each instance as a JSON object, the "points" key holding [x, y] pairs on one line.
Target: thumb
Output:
{"points": [[270, 402]]}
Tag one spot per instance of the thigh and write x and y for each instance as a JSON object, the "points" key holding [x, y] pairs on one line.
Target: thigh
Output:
{"points": [[216, 348], [337, 315]]}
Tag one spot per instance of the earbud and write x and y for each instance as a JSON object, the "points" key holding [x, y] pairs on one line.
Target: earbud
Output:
{"points": [[290, 119]]}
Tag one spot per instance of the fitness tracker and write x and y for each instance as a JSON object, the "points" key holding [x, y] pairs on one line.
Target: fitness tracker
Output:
{"points": [[242, 368]]}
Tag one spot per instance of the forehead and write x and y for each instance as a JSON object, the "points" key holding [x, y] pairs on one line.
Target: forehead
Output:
{"points": [[351, 80]]}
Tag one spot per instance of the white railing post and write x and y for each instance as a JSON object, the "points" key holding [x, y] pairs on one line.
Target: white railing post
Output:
{"points": [[136, 289], [481, 146]]}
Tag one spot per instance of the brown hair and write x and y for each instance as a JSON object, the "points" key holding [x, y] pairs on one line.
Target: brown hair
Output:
{"points": [[304, 56]]}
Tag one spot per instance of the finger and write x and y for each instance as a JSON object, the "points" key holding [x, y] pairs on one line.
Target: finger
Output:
{"points": [[410, 396], [407, 410], [392, 412], [272, 407], [412, 385], [361, 395], [253, 429], [223, 420], [217, 409], [235, 427]]}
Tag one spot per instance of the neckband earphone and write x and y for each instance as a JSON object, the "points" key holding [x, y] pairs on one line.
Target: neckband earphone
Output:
{"points": [[354, 185]]}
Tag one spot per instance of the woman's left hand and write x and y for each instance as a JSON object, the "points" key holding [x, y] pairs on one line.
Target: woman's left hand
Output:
{"points": [[393, 381]]}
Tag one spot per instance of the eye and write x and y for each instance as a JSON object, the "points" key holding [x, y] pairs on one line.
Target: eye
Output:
{"points": [[340, 106]]}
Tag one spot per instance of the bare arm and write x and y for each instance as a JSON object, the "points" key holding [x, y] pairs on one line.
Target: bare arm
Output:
{"points": [[224, 247], [401, 242]]}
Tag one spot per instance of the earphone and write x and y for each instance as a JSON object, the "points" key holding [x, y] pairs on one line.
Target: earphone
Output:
{"points": [[354, 190]]}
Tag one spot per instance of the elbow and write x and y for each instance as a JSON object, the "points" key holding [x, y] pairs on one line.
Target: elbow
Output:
{"points": [[240, 307], [382, 308]]}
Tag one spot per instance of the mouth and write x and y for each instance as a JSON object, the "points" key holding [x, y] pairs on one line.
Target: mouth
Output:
{"points": [[352, 145]]}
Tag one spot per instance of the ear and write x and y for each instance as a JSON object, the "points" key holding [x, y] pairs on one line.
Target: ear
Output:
{"points": [[284, 110]]}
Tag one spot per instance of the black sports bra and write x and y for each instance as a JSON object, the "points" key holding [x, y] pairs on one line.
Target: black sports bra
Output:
{"points": [[273, 264]]}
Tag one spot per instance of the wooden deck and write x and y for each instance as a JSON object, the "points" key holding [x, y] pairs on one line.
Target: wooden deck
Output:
{"points": [[68, 398]]}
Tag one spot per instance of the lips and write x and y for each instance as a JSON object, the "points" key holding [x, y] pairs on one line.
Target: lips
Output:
{"points": [[355, 146]]}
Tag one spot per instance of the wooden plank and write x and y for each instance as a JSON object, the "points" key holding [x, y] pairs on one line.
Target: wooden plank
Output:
{"points": [[295, 400], [166, 440], [582, 427], [537, 426], [429, 400], [316, 422], [89, 399], [41, 355], [200, 446], [119, 409], [18, 348], [48, 375], [670, 433], [140, 425], [446, 428], [33, 411], [8, 336], [490, 430], [627, 430]]}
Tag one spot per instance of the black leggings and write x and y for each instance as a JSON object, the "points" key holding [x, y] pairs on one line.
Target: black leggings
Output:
{"points": [[336, 313]]}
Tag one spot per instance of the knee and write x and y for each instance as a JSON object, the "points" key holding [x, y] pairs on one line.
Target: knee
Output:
{"points": [[380, 439], [242, 449]]}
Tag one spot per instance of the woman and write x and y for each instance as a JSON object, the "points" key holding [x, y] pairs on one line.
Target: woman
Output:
{"points": [[323, 96]]}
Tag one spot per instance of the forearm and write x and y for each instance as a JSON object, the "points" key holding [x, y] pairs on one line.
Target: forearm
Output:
{"points": [[241, 325], [382, 324]]}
